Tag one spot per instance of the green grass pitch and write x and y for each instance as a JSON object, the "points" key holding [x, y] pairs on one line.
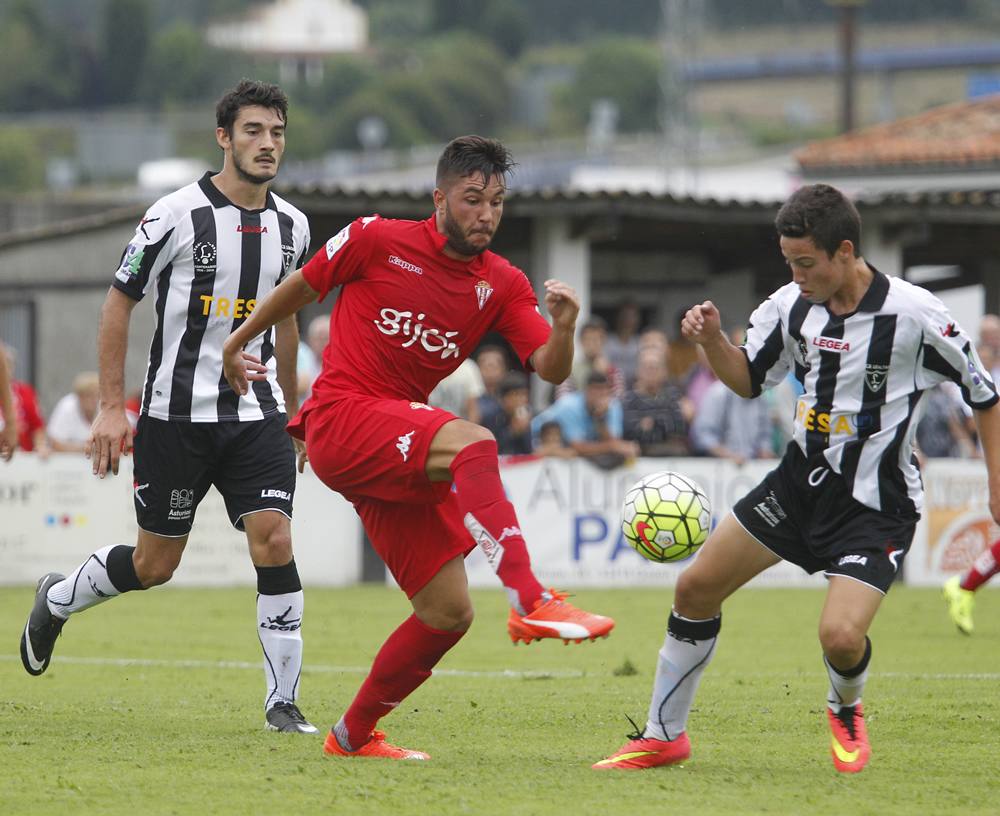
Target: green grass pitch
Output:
{"points": [[511, 730]]}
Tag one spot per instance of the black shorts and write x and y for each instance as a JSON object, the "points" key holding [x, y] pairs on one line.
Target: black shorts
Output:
{"points": [[252, 464], [804, 513]]}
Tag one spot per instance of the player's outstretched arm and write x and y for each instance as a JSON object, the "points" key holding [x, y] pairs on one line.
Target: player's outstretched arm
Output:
{"points": [[703, 325], [8, 436], [285, 300], [554, 360], [988, 426], [111, 433]]}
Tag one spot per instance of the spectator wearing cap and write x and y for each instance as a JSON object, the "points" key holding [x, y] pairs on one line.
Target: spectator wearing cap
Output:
{"points": [[511, 425], [590, 420], [69, 425]]}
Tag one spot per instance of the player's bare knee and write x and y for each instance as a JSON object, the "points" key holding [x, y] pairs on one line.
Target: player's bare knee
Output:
{"points": [[842, 642], [695, 596], [153, 570], [275, 549]]}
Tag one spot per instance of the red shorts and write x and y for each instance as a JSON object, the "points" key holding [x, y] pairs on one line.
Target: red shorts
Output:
{"points": [[374, 452]]}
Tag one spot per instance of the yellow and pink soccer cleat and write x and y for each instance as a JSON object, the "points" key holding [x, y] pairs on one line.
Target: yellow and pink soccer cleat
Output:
{"points": [[640, 753], [849, 738], [555, 618]]}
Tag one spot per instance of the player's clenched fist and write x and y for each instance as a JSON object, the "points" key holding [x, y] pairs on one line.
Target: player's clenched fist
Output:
{"points": [[562, 302], [702, 323]]}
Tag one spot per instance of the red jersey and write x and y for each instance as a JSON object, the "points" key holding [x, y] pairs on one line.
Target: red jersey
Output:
{"points": [[408, 315], [29, 418]]}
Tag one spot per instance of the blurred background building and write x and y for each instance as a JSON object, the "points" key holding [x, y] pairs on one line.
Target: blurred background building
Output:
{"points": [[655, 138]]}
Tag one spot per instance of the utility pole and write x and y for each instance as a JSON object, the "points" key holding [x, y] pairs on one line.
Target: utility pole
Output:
{"points": [[847, 40], [682, 24]]}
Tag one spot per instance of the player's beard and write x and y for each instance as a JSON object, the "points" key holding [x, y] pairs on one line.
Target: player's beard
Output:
{"points": [[251, 178], [457, 240]]}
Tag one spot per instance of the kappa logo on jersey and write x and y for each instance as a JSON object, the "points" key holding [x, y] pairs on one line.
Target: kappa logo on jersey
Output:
{"points": [[875, 375], [395, 322], [419, 406], [508, 532], [831, 344], [483, 292], [367, 220], [131, 259], [951, 330], [395, 260], [205, 254], [181, 502], [403, 444], [334, 244]]}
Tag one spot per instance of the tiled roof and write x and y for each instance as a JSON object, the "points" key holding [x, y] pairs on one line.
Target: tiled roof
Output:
{"points": [[961, 136]]}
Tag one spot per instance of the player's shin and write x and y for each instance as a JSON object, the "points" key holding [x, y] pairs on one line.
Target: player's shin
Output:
{"points": [[846, 685], [106, 573], [280, 605], [687, 650], [492, 522], [401, 665]]}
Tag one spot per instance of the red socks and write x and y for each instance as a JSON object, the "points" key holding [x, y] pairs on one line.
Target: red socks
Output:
{"points": [[401, 665], [491, 520], [983, 568]]}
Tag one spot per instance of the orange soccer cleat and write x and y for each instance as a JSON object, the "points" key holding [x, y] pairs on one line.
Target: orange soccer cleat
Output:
{"points": [[640, 753], [849, 738], [375, 747], [555, 618]]}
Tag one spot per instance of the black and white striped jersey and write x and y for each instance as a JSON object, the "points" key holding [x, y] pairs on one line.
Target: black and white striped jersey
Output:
{"points": [[209, 262], [864, 374]]}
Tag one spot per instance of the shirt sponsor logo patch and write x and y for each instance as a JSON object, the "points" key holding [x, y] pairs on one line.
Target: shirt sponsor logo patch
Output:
{"points": [[334, 244], [129, 268], [395, 322]]}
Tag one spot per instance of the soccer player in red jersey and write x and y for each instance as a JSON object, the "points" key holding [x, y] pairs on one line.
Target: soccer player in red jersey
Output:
{"points": [[417, 297]]}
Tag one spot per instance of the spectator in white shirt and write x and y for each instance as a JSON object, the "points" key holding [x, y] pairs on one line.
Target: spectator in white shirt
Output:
{"points": [[69, 425]]}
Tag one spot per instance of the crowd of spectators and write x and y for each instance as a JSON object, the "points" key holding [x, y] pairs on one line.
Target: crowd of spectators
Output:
{"points": [[632, 392]]}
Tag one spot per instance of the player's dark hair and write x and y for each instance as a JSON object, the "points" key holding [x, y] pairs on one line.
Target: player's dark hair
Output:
{"points": [[472, 155], [249, 92], [823, 213]]}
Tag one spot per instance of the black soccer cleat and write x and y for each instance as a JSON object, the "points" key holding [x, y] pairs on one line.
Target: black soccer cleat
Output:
{"points": [[286, 717], [39, 636]]}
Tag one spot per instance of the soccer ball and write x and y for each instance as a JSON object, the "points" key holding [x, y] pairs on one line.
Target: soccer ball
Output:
{"points": [[666, 517]]}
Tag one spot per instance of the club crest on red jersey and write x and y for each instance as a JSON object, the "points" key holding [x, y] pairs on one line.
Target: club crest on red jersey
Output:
{"points": [[483, 292]]}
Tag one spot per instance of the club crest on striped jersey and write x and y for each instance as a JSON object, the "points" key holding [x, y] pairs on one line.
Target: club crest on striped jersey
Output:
{"points": [[875, 375], [204, 253], [483, 292]]}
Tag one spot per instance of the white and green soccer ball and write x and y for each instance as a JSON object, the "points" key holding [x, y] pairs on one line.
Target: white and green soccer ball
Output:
{"points": [[666, 517]]}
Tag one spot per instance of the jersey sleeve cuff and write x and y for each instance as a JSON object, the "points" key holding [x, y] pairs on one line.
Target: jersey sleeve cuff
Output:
{"points": [[126, 290]]}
